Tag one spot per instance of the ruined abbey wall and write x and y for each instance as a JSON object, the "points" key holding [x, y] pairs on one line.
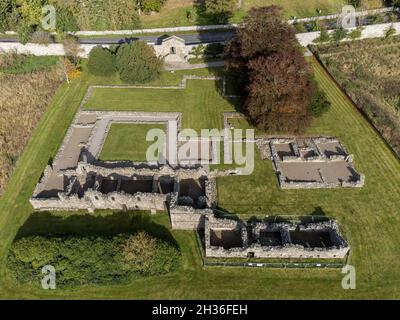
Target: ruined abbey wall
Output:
{"points": [[252, 245]]}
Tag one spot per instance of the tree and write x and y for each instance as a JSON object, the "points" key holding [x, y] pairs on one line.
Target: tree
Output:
{"points": [[140, 250], [266, 56], [220, 10], [101, 62], [264, 33], [280, 92], [72, 49], [137, 62]]}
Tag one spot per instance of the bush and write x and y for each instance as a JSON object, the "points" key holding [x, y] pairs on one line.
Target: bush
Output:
{"points": [[320, 103], [356, 33], [323, 37], [300, 28], [101, 62], [339, 34], [137, 62], [90, 260]]}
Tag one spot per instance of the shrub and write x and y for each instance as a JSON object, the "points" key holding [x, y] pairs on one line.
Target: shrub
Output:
{"points": [[356, 33], [320, 103], [140, 250], [137, 62], [101, 62], [300, 28], [339, 34], [323, 37], [391, 31], [90, 260], [66, 20]]}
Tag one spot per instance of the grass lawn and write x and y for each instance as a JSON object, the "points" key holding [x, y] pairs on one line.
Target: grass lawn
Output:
{"points": [[175, 12], [201, 104], [369, 217], [127, 141]]}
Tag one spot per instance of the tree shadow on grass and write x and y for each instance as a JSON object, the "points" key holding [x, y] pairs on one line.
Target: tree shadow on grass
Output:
{"points": [[203, 17], [47, 223]]}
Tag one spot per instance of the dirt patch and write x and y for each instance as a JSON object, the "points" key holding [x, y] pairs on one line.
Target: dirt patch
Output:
{"points": [[135, 186], [192, 188]]}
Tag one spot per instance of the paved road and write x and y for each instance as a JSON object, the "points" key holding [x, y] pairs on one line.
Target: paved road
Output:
{"points": [[190, 39]]}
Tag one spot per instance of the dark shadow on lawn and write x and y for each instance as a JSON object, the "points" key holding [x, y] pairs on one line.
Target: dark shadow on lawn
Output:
{"points": [[206, 18], [46, 223]]}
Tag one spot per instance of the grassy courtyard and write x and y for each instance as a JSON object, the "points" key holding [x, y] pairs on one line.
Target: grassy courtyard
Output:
{"points": [[201, 103], [369, 217], [127, 142]]}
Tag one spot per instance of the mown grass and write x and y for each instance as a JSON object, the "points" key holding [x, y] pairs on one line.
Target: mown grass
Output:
{"points": [[127, 142], [369, 217], [201, 103], [175, 12]]}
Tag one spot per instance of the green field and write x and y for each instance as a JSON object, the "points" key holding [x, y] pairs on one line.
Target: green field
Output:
{"points": [[127, 142], [369, 217], [175, 12], [201, 103]]}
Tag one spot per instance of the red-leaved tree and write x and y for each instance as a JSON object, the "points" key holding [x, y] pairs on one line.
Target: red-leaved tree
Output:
{"points": [[269, 62]]}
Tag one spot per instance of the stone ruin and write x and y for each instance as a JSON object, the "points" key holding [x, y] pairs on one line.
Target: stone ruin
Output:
{"points": [[320, 162], [225, 238], [77, 180]]}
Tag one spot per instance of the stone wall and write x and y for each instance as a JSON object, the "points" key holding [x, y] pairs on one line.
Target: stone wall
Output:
{"points": [[313, 145], [287, 249]]}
